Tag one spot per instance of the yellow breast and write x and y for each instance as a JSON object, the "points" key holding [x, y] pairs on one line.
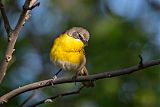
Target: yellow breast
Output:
{"points": [[66, 48]]}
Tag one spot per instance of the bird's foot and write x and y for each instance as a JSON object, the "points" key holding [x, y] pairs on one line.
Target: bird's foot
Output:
{"points": [[52, 81], [74, 78]]}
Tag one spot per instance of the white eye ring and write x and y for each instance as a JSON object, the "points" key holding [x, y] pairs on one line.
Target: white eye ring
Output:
{"points": [[80, 36]]}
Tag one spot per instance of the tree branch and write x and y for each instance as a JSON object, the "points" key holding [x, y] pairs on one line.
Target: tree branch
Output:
{"points": [[50, 99], [14, 35], [5, 18], [44, 83]]}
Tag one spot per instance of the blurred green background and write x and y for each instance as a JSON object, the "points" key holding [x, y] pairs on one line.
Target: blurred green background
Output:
{"points": [[120, 30]]}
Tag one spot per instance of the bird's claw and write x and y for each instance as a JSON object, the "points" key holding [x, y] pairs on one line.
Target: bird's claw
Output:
{"points": [[54, 78], [74, 78], [52, 81]]}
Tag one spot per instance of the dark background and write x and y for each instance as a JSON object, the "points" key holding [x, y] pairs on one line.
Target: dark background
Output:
{"points": [[120, 30]]}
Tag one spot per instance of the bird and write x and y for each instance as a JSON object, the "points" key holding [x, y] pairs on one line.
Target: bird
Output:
{"points": [[68, 54]]}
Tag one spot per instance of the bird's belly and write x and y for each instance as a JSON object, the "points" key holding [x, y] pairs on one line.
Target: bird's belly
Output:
{"points": [[69, 61], [65, 65]]}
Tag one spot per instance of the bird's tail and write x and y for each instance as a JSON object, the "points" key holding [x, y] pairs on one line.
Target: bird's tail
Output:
{"points": [[84, 72]]}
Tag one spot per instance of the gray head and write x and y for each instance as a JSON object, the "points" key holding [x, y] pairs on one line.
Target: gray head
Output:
{"points": [[79, 33]]}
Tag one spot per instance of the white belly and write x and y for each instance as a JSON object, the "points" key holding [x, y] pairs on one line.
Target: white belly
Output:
{"points": [[67, 66]]}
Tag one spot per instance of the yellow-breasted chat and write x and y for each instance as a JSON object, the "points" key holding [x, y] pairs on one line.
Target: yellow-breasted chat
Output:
{"points": [[68, 53]]}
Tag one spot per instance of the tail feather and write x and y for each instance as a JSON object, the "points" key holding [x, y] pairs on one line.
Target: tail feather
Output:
{"points": [[84, 72]]}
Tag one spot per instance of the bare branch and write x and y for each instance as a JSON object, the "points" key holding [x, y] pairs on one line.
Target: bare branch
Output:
{"points": [[44, 83], [30, 8], [13, 37], [5, 18], [50, 99]]}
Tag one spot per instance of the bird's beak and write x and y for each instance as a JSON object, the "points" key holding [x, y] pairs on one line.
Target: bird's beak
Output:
{"points": [[85, 42]]}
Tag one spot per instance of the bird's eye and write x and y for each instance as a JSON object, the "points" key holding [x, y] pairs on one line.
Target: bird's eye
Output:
{"points": [[80, 36]]}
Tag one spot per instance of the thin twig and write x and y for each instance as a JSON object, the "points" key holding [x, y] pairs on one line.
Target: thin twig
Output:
{"points": [[30, 8], [49, 82], [5, 18], [141, 61], [50, 99], [28, 99], [13, 37]]}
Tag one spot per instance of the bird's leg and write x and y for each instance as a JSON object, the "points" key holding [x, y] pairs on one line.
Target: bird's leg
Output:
{"points": [[58, 72], [75, 77], [55, 77]]}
